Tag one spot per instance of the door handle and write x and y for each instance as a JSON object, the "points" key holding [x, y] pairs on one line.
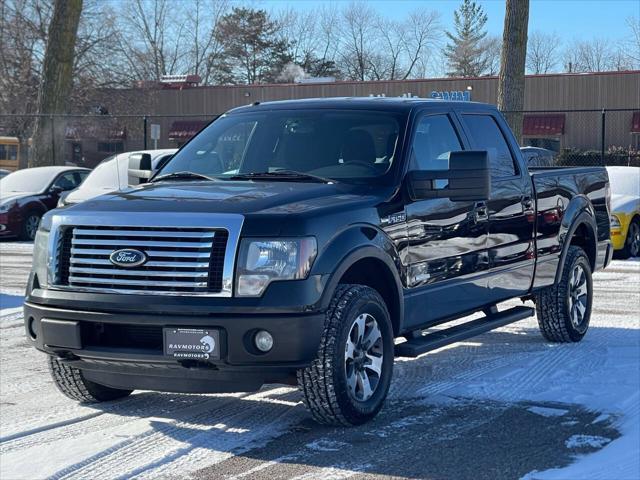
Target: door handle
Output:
{"points": [[480, 212]]}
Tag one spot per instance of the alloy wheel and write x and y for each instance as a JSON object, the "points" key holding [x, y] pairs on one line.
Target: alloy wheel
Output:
{"points": [[578, 296], [31, 226], [363, 357]]}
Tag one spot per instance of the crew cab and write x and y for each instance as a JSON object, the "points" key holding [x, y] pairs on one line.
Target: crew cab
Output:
{"points": [[309, 243]]}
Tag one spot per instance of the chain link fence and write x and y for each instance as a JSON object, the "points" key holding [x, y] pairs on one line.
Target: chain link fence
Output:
{"points": [[585, 137], [577, 137]]}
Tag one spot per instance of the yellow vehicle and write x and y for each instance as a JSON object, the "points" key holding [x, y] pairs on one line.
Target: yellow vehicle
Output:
{"points": [[9, 153], [625, 210]]}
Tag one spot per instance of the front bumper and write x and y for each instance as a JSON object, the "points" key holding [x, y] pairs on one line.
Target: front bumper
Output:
{"points": [[123, 365], [9, 225]]}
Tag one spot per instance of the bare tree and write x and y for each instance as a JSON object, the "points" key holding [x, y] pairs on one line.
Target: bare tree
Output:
{"points": [[489, 55], [151, 39], [632, 44], [23, 34], [542, 52], [357, 40], [423, 36], [205, 50], [311, 41], [56, 83], [593, 55], [512, 64]]}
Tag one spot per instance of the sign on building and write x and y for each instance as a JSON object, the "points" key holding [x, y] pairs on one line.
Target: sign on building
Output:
{"points": [[461, 96]]}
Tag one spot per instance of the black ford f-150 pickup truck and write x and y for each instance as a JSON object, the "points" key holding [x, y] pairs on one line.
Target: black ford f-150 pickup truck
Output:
{"points": [[309, 242]]}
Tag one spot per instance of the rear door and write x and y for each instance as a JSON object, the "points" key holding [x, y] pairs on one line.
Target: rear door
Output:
{"points": [[511, 206], [447, 239]]}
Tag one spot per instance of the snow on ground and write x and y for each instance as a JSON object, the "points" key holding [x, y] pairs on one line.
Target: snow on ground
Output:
{"points": [[43, 434]]}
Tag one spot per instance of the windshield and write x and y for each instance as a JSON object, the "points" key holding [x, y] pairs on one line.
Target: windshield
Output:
{"points": [[624, 180], [333, 144], [105, 175], [32, 180]]}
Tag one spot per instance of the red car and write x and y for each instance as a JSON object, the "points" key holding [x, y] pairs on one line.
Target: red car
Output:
{"points": [[25, 195]]}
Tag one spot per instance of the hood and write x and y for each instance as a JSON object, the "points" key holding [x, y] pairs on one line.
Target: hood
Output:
{"points": [[239, 197], [10, 197], [82, 194], [624, 203]]}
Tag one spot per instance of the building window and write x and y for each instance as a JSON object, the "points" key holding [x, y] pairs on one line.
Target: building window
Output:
{"points": [[111, 147]]}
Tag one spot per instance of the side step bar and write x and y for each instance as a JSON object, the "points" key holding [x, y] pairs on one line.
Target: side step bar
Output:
{"points": [[422, 344]]}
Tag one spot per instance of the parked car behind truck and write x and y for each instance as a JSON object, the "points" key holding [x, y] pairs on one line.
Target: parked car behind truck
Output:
{"points": [[26, 195], [625, 211], [110, 175], [345, 224]]}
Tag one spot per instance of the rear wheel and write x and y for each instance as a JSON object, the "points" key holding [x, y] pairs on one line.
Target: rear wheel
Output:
{"points": [[348, 381], [564, 309], [71, 382], [30, 225], [632, 242]]}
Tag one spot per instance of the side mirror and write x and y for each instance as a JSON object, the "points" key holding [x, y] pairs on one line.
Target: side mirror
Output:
{"points": [[469, 179], [139, 168], [56, 189]]}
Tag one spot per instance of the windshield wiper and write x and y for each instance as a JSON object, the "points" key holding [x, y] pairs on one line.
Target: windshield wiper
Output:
{"points": [[185, 175], [287, 175]]}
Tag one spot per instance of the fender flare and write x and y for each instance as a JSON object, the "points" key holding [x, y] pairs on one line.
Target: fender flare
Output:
{"points": [[355, 244], [582, 217]]}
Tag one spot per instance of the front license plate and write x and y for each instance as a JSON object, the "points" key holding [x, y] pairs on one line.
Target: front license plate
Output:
{"points": [[192, 343]]}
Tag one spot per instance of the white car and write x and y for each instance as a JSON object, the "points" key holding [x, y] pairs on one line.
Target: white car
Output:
{"points": [[625, 210], [110, 175]]}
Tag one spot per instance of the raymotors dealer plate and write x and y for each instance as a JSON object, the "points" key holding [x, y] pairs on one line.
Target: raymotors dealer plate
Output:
{"points": [[192, 343]]}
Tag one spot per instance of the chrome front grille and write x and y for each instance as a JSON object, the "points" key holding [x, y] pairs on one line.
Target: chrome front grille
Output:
{"points": [[179, 260], [188, 253]]}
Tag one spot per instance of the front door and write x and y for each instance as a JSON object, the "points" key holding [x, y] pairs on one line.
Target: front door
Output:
{"points": [[447, 239]]}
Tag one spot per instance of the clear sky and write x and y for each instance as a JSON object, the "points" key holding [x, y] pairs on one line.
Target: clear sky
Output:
{"points": [[571, 19]]}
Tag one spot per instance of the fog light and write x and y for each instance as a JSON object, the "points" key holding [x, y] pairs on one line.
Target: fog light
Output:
{"points": [[263, 341], [31, 328]]}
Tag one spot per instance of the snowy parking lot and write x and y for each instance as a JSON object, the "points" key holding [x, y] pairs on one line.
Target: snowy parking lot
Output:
{"points": [[503, 405]]}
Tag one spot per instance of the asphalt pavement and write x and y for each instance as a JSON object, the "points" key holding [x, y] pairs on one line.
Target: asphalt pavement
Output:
{"points": [[499, 406]]}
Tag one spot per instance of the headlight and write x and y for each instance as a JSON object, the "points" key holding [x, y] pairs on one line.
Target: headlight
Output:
{"points": [[45, 222], [262, 261], [41, 257], [5, 207], [615, 222], [41, 260]]}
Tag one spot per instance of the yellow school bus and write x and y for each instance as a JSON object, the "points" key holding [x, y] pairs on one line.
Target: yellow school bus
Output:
{"points": [[9, 153]]}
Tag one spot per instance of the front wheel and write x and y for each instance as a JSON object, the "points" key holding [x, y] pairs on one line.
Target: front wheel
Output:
{"points": [[564, 309], [349, 380], [72, 383], [30, 226]]}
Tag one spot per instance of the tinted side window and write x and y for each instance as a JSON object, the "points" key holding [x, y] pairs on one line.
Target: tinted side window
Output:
{"points": [[487, 136], [433, 140], [66, 182]]}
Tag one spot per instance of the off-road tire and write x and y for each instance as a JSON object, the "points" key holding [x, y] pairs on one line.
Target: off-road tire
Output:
{"points": [[323, 384], [71, 382], [25, 232], [553, 304]]}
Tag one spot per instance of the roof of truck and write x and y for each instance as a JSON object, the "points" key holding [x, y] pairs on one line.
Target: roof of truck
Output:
{"points": [[375, 103]]}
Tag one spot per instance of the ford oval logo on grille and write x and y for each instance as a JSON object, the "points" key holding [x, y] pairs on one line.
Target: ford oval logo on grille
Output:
{"points": [[128, 257]]}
